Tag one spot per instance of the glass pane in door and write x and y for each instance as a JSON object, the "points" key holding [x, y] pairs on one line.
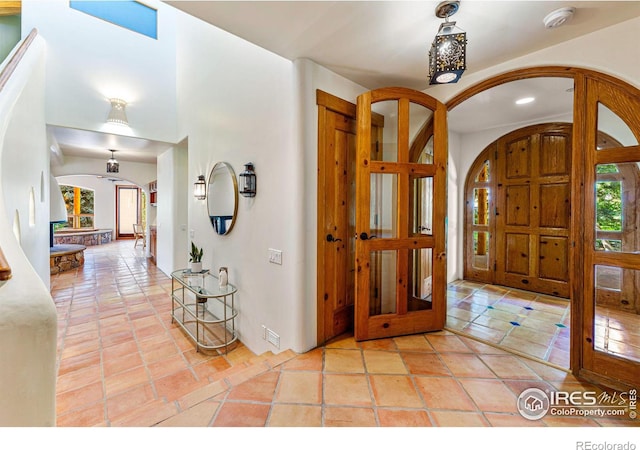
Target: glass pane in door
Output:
{"points": [[612, 130], [480, 258], [382, 292], [617, 216], [481, 206], [387, 149], [421, 265], [617, 319], [422, 205], [420, 134], [127, 209], [384, 205]]}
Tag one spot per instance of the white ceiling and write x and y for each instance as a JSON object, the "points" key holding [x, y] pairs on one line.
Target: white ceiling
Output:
{"points": [[386, 43]]}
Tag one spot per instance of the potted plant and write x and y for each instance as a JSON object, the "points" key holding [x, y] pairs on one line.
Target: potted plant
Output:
{"points": [[195, 258]]}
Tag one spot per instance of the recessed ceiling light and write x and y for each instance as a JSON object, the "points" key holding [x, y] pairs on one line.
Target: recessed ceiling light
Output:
{"points": [[524, 100]]}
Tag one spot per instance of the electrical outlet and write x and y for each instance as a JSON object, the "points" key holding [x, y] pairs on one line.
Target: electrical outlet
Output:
{"points": [[275, 256]]}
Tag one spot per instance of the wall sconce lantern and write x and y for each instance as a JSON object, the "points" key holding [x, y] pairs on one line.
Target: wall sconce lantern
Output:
{"points": [[112, 165], [200, 188], [117, 114], [248, 181], [447, 57]]}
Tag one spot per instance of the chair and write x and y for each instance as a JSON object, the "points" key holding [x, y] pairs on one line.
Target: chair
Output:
{"points": [[138, 233]]}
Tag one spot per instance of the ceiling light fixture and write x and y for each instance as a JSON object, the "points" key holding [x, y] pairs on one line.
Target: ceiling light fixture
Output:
{"points": [[117, 113], [558, 17], [447, 57], [524, 100], [112, 165]]}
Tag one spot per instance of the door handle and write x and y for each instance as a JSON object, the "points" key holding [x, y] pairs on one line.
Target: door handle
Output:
{"points": [[365, 236], [330, 238]]}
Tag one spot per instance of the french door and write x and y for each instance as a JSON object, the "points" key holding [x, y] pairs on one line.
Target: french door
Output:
{"points": [[400, 215], [127, 210], [611, 276]]}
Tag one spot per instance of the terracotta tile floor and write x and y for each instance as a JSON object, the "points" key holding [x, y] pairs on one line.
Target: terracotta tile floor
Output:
{"points": [[532, 324], [123, 363]]}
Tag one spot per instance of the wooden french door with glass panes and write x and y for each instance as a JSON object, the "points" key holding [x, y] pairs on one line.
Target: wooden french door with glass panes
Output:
{"points": [[611, 276], [400, 219]]}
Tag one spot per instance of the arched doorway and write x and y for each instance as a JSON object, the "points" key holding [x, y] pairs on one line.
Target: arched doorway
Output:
{"points": [[601, 102]]}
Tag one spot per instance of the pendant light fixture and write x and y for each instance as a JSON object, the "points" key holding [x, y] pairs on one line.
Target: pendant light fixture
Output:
{"points": [[447, 57], [117, 114], [112, 165]]}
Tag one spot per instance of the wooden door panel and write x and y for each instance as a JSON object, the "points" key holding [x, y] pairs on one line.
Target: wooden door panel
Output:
{"points": [[555, 154], [555, 205], [518, 205], [518, 158], [517, 254], [554, 258], [336, 152], [534, 207]]}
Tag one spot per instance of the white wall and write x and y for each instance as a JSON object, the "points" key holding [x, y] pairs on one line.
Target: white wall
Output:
{"points": [[172, 215], [236, 106], [28, 319]]}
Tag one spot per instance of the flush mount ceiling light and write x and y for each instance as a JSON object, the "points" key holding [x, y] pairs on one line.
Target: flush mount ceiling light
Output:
{"points": [[558, 17], [112, 165], [525, 100], [447, 57], [117, 113]]}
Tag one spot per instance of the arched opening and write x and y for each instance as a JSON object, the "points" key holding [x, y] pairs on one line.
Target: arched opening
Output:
{"points": [[601, 269]]}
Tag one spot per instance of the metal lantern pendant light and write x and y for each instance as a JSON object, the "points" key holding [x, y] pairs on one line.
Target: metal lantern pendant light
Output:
{"points": [[447, 57], [112, 165], [200, 188]]}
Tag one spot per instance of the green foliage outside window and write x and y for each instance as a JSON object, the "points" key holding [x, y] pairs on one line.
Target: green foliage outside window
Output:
{"points": [[86, 199], [609, 205]]}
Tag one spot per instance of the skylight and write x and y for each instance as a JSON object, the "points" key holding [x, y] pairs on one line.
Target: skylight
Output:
{"points": [[131, 15]]}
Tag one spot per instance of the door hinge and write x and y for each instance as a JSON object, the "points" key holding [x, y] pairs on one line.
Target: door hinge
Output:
{"points": [[497, 212], [495, 266], [377, 146], [375, 292]]}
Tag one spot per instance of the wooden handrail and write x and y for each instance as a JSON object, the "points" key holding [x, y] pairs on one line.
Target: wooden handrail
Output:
{"points": [[15, 59], [5, 268]]}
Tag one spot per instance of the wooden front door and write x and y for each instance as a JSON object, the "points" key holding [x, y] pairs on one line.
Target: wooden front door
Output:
{"points": [[400, 217], [610, 336], [533, 209], [336, 213]]}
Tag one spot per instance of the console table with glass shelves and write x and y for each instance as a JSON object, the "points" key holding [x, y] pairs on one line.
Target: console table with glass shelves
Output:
{"points": [[204, 310]]}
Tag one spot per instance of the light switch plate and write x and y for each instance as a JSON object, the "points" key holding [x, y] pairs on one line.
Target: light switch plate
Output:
{"points": [[275, 256]]}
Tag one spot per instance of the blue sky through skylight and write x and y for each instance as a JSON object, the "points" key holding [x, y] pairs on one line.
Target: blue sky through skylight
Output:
{"points": [[128, 14]]}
